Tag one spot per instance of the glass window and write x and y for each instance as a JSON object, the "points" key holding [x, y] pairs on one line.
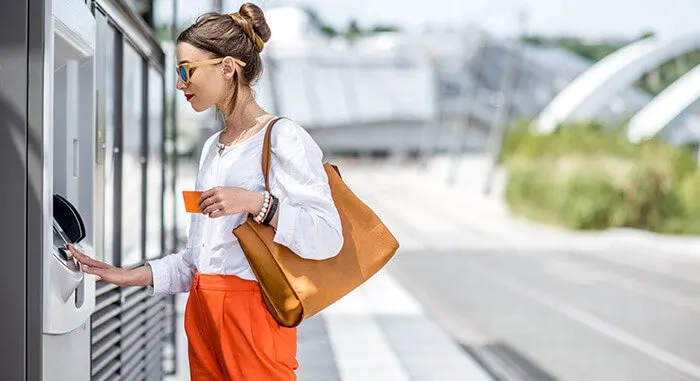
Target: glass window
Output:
{"points": [[132, 159], [110, 95], [169, 209], [154, 172], [170, 203]]}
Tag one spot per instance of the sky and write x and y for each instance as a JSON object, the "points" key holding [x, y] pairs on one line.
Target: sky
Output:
{"points": [[584, 18]]}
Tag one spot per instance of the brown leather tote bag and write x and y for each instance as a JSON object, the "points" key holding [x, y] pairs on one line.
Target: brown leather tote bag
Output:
{"points": [[295, 288]]}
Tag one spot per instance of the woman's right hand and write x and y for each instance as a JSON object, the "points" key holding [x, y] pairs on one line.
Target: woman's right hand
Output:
{"points": [[141, 276]]}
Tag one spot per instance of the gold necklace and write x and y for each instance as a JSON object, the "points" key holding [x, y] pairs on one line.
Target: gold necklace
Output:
{"points": [[223, 146]]}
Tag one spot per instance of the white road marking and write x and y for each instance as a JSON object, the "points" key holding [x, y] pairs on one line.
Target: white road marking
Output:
{"points": [[593, 322]]}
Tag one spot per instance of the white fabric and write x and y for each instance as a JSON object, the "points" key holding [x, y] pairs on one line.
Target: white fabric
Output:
{"points": [[308, 222]]}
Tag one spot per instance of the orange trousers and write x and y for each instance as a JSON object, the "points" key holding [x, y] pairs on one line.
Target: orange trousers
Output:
{"points": [[231, 335]]}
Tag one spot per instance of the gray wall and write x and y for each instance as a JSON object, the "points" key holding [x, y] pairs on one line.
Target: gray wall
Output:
{"points": [[21, 71]]}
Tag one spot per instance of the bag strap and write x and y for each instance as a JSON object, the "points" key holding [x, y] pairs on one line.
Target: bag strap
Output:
{"points": [[267, 153]]}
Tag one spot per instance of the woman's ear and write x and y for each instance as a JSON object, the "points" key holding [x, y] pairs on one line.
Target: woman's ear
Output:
{"points": [[229, 67]]}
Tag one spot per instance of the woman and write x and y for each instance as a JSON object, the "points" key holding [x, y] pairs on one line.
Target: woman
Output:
{"points": [[231, 334]]}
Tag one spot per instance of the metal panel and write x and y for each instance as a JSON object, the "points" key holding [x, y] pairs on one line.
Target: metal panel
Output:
{"points": [[154, 174], [14, 132], [35, 95], [128, 333], [138, 32], [117, 149], [144, 156], [129, 328], [132, 157]]}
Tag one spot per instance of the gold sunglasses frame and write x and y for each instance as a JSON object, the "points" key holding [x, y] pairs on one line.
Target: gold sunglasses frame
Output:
{"points": [[190, 66]]}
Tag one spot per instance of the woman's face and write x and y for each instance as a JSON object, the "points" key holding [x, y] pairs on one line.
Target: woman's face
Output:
{"points": [[208, 84]]}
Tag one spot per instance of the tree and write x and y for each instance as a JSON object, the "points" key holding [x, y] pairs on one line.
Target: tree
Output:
{"points": [[353, 29], [318, 23], [385, 28], [645, 35], [329, 31]]}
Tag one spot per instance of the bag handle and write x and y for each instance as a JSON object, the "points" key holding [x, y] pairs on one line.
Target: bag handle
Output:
{"points": [[267, 153]]}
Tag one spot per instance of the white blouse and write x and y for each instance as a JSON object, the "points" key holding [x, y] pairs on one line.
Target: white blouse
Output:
{"points": [[308, 222]]}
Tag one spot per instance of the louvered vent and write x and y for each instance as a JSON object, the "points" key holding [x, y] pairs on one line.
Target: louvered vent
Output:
{"points": [[129, 332]]}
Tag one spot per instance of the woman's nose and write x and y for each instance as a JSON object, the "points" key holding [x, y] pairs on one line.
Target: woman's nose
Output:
{"points": [[180, 85]]}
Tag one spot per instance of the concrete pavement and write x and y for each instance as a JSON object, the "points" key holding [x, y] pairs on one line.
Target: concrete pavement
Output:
{"points": [[378, 332]]}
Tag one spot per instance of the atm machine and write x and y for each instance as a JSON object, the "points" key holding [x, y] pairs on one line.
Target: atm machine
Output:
{"points": [[54, 191], [47, 188], [70, 187]]}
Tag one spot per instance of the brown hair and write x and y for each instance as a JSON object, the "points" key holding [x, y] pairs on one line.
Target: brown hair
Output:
{"points": [[241, 35]]}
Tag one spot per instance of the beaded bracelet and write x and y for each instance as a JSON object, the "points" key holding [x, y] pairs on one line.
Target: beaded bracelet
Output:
{"points": [[271, 212], [266, 203]]}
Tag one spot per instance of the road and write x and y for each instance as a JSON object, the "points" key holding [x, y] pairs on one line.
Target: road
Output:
{"points": [[531, 303], [562, 315]]}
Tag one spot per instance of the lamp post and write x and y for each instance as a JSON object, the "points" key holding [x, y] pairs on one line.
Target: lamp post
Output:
{"points": [[460, 131], [500, 124]]}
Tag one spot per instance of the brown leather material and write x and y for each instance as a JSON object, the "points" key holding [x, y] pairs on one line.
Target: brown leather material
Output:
{"points": [[295, 288], [267, 153]]}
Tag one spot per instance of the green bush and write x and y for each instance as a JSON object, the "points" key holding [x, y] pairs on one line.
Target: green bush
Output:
{"points": [[588, 176], [587, 201], [585, 139], [689, 194], [530, 192]]}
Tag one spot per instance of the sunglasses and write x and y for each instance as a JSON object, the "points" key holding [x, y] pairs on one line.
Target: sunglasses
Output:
{"points": [[185, 69]]}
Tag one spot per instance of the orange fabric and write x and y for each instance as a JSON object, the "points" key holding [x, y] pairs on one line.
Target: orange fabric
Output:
{"points": [[231, 334]]}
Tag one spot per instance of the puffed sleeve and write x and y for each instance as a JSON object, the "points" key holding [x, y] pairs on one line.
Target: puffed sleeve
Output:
{"points": [[173, 273], [308, 221]]}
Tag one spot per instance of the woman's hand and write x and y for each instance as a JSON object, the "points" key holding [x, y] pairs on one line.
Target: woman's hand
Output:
{"points": [[141, 276], [224, 201]]}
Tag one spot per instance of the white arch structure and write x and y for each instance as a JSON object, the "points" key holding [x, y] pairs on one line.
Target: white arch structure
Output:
{"points": [[595, 87], [666, 108]]}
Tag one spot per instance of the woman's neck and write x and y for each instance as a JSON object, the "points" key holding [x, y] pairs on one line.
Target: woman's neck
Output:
{"points": [[243, 121]]}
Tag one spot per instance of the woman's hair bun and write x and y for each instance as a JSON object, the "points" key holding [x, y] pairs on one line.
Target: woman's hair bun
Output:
{"points": [[257, 18]]}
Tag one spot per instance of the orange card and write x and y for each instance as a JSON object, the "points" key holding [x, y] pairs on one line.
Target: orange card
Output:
{"points": [[191, 198]]}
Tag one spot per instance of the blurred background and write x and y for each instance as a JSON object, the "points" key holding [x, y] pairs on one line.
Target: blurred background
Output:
{"points": [[536, 159]]}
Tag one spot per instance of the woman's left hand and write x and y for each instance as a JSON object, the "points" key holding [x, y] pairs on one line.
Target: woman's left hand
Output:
{"points": [[224, 201]]}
